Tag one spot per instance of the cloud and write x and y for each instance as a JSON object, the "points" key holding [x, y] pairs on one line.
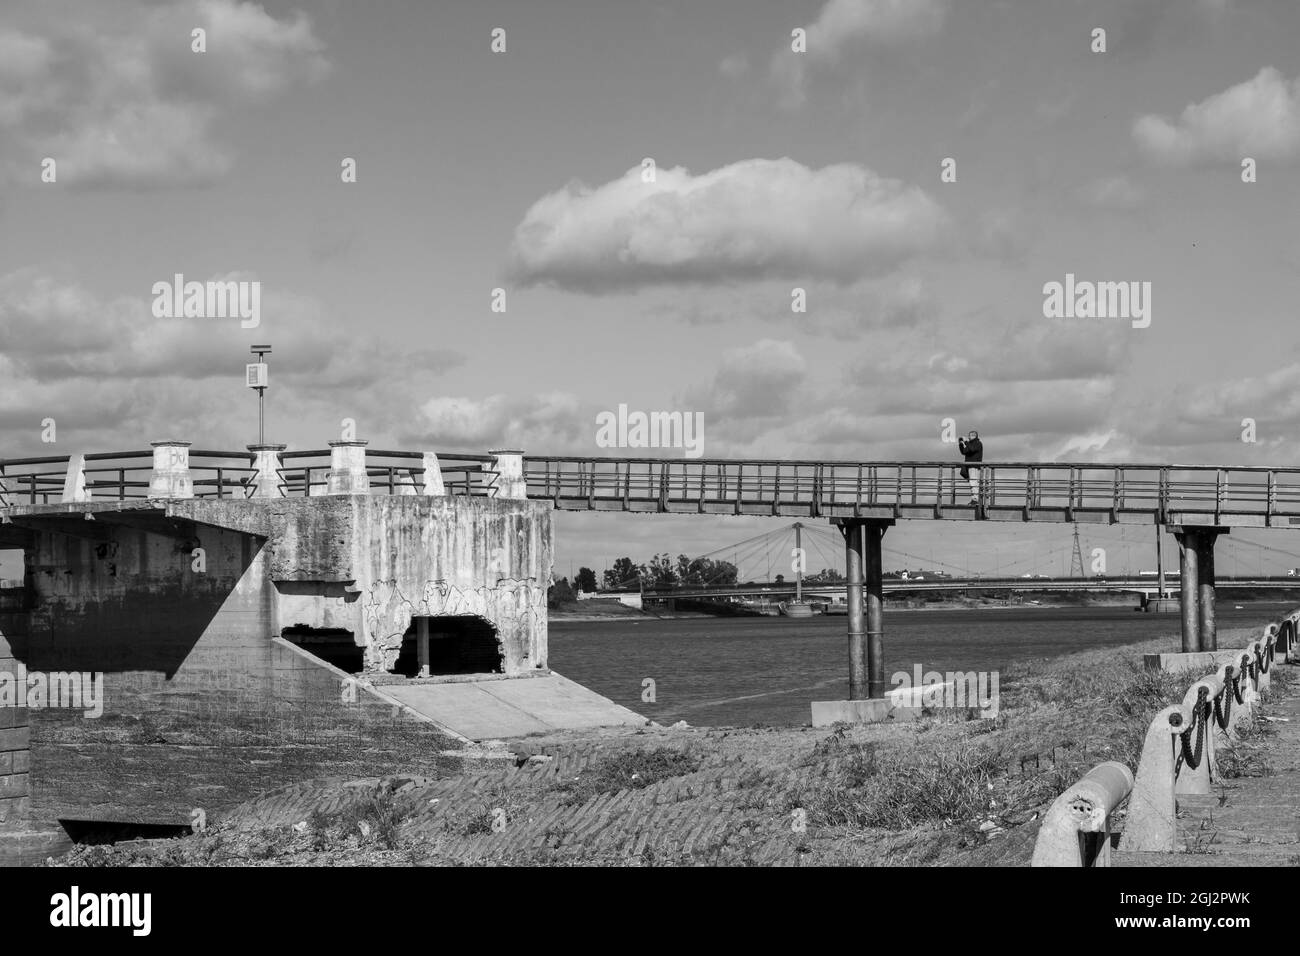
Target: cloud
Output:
{"points": [[1259, 118], [756, 219], [118, 97], [108, 363], [843, 24], [1112, 192], [753, 382], [548, 423]]}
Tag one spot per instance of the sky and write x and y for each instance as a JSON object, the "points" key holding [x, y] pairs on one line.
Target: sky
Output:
{"points": [[645, 187]]}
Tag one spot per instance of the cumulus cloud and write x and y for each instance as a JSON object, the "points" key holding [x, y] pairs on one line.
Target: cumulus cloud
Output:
{"points": [[756, 219], [549, 422], [1259, 118], [844, 24], [119, 98]]}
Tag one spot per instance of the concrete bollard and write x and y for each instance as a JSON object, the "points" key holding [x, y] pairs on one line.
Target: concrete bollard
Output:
{"points": [[1084, 808], [509, 469], [171, 470], [348, 468], [267, 483], [1152, 808], [74, 484], [1197, 780]]}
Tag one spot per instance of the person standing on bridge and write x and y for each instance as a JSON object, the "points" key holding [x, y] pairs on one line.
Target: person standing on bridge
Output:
{"points": [[972, 449]]}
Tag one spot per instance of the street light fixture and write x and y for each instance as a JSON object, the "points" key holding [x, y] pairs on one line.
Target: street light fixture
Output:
{"points": [[255, 377]]}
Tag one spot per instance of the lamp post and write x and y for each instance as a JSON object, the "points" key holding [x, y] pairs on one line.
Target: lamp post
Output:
{"points": [[255, 377]]}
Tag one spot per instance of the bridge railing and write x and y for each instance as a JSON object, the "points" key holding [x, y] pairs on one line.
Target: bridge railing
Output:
{"points": [[1178, 756], [124, 476], [842, 488]]}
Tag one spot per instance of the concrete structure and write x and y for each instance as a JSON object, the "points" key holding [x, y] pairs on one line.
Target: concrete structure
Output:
{"points": [[260, 615]]}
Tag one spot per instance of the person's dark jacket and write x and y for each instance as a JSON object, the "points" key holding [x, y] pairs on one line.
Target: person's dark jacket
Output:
{"points": [[972, 450]]}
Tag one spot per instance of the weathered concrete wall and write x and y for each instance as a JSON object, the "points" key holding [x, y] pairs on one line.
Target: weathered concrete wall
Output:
{"points": [[392, 558], [188, 656], [15, 732]]}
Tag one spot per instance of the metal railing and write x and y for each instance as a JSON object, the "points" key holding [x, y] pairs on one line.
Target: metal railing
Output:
{"points": [[909, 488], [905, 489]]}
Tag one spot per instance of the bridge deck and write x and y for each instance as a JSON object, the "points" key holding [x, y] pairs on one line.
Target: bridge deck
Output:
{"points": [[1086, 492]]}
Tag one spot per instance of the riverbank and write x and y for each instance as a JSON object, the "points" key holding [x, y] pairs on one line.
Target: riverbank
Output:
{"points": [[940, 791]]}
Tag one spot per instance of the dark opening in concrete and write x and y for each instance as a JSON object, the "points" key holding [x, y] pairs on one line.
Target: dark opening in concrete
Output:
{"points": [[463, 644], [113, 831], [332, 645]]}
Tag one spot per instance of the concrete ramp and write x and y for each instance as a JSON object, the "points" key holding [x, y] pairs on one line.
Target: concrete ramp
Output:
{"points": [[482, 709]]}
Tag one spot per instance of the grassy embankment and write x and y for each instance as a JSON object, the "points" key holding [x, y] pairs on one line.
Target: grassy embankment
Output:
{"points": [[941, 791]]}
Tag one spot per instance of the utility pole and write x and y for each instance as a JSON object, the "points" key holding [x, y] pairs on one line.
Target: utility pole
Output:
{"points": [[1076, 560]]}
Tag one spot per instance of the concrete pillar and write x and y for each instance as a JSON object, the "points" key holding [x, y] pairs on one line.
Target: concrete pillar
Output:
{"points": [[171, 470], [348, 468], [1205, 558], [74, 484], [854, 573], [1188, 548], [267, 482], [509, 468], [433, 475], [422, 644], [874, 594]]}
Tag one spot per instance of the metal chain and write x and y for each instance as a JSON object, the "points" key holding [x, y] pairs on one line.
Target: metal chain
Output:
{"points": [[1223, 701], [1199, 714]]}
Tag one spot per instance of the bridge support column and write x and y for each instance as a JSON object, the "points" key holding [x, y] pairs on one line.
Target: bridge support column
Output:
{"points": [[854, 574], [1189, 598], [1209, 634], [863, 568], [1196, 581]]}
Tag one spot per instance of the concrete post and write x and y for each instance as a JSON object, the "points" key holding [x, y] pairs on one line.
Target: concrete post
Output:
{"points": [[433, 475], [348, 468], [1205, 557], [1188, 547], [267, 482], [874, 594], [422, 644], [853, 572], [171, 470], [74, 484], [509, 468]]}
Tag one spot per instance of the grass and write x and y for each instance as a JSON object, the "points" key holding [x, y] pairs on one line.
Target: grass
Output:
{"points": [[631, 770]]}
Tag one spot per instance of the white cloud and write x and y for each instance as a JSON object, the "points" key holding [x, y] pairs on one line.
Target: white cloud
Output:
{"points": [[119, 97], [1259, 118], [548, 423], [842, 24], [755, 219]]}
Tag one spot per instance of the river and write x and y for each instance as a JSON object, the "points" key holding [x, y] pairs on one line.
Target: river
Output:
{"points": [[766, 670]]}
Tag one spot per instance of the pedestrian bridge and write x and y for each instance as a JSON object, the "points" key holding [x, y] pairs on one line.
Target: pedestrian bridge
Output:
{"points": [[1196, 503], [1088, 492]]}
